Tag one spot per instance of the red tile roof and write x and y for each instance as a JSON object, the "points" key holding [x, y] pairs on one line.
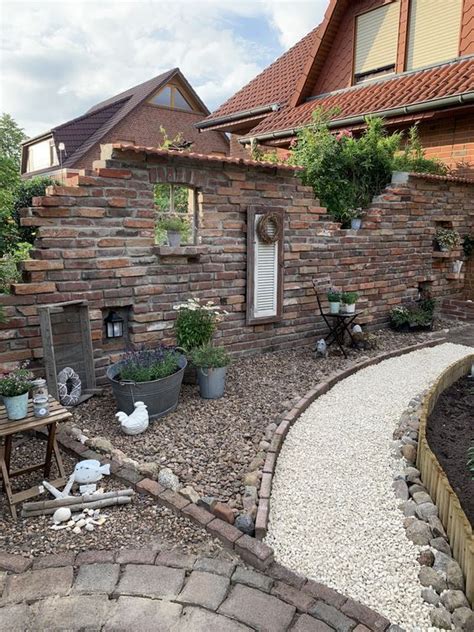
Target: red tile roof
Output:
{"points": [[275, 84], [450, 79], [190, 155]]}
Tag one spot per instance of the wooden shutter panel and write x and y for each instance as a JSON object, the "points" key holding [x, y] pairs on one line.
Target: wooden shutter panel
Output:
{"points": [[266, 277], [264, 274], [433, 33], [377, 38]]}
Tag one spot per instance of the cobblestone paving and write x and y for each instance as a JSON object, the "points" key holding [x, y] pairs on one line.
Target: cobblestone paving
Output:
{"points": [[167, 591]]}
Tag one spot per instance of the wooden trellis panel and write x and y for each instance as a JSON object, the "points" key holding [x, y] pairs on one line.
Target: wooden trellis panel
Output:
{"points": [[66, 338]]}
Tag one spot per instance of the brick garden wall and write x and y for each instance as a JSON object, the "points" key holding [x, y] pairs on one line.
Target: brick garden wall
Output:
{"points": [[96, 241]]}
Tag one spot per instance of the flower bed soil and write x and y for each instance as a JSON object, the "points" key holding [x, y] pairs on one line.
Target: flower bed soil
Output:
{"points": [[211, 444], [450, 431], [141, 524]]}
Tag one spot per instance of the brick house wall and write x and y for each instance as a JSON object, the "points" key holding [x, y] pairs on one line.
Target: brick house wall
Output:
{"points": [[96, 242], [142, 127]]}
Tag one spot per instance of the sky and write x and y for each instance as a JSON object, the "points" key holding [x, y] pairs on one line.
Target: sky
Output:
{"points": [[59, 57]]}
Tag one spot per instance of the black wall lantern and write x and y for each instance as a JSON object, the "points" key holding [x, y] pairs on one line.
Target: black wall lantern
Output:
{"points": [[113, 325]]}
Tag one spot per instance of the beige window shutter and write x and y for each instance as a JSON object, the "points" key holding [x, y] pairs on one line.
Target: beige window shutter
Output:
{"points": [[433, 34], [266, 277], [377, 38]]}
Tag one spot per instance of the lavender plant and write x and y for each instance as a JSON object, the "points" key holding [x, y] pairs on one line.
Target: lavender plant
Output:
{"points": [[147, 365]]}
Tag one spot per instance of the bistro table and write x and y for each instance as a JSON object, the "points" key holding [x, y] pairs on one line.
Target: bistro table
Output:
{"points": [[9, 428]]}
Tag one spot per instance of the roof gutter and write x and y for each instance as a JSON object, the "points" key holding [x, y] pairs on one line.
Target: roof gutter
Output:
{"points": [[424, 106], [262, 109]]}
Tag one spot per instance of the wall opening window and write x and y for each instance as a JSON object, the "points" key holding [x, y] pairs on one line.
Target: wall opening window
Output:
{"points": [[176, 202], [42, 155], [376, 42], [264, 265], [171, 97], [433, 32]]}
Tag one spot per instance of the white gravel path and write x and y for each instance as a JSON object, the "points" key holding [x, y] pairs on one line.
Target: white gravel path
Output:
{"points": [[334, 516]]}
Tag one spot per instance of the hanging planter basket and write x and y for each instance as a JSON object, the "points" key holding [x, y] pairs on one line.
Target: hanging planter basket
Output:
{"points": [[270, 228]]}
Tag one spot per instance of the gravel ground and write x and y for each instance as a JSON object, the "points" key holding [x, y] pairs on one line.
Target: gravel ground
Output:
{"points": [[334, 515], [138, 525], [210, 444]]}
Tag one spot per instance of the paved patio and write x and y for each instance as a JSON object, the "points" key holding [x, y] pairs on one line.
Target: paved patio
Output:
{"points": [[167, 591]]}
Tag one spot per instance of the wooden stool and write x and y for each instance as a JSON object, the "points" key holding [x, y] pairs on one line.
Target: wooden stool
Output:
{"points": [[9, 428]]}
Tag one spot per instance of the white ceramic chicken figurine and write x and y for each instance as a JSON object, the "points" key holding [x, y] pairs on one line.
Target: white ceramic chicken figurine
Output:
{"points": [[135, 423]]}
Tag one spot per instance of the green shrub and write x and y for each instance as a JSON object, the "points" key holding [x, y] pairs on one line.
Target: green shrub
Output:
{"points": [[447, 238], [413, 158], [417, 314], [196, 323], [210, 357], [9, 270], [347, 172]]}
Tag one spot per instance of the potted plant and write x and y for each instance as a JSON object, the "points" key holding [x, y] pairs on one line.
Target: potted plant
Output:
{"points": [[195, 326], [174, 227], [334, 298], [417, 316], [356, 218], [447, 239], [211, 364], [14, 388], [151, 376], [348, 302]]}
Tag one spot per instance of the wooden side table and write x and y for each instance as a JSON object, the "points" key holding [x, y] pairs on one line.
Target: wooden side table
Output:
{"points": [[9, 428]]}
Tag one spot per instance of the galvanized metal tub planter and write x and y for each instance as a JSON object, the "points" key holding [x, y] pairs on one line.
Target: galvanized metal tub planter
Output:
{"points": [[160, 396]]}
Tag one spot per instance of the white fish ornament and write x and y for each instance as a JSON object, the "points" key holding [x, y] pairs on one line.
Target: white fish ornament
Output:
{"points": [[136, 422], [90, 471]]}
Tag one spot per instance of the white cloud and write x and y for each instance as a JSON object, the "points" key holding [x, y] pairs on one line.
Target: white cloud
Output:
{"points": [[59, 57], [296, 18]]}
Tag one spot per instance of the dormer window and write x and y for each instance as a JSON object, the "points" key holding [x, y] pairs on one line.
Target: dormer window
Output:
{"points": [[41, 155], [171, 97], [376, 42], [433, 32]]}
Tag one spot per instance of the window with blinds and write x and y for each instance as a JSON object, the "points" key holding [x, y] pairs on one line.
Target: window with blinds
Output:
{"points": [[376, 42], [433, 32], [264, 274]]}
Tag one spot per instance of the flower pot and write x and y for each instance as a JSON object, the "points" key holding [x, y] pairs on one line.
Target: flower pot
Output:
{"points": [[348, 309], [17, 407], [174, 238], [211, 382], [356, 223], [159, 396], [334, 307]]}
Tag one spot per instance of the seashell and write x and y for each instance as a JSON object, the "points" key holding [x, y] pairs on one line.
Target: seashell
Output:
{"points": [[99, 522], [80, 523], [63, 514], [76, 530], [71, 523], [96, 513], [89, 527]]}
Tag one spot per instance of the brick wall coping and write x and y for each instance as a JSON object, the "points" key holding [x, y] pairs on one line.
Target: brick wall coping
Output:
{"points": [[190, 155], [438, 178]]}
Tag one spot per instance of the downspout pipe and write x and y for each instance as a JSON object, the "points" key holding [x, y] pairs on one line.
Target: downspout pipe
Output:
{"points": [[424, 106], [262, 109]]}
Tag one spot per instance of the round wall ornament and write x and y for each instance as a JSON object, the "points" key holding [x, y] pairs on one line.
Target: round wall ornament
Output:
{"points": [[270, 228]]}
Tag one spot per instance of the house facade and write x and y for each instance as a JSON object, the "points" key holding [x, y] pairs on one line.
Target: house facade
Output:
{"points": [[410, 61], [167, 103]]}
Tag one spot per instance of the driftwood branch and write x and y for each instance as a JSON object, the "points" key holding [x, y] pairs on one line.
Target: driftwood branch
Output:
{"points": [[80, 506], [74, 500]]}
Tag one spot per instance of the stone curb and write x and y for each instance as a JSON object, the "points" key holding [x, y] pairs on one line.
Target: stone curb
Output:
{"points": [[263, 510]]}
